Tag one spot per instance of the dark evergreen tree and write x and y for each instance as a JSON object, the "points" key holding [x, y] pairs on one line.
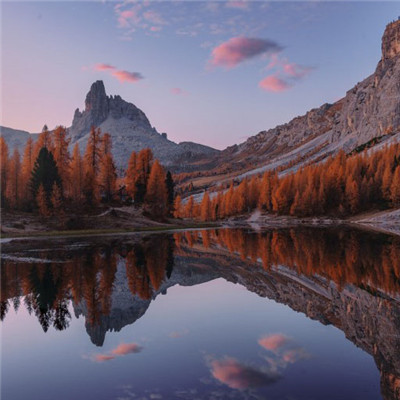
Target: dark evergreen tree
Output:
{"points": [[44, 173]]}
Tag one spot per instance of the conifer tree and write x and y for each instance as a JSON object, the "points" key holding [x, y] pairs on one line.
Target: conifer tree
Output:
{"points": [[44, 173], [156, 194]]}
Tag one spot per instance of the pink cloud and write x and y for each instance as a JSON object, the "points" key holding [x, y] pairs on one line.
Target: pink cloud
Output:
{"points": [[178, 91], [126, 348], [104, 67], [153, 17], [125, 76], [273, 342], [295, 70], [241, 5], [103, 357], [178, 334], [127, 17], [238, 49], [273, 83], [155, 28], [232, 373]]}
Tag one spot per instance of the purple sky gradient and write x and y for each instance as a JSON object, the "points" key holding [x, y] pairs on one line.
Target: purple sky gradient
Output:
{"points": [[210, 72]]}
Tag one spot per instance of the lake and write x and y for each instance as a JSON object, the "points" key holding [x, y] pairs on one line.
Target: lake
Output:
{"points": [[305, 313]]}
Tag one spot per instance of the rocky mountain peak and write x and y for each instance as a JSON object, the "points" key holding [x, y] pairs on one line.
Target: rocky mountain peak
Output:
{"points": [[99, 107], [391, 40]]}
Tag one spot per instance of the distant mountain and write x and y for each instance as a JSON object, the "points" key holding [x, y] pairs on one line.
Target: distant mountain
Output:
{"points": [[130, 130], [15, 138]]}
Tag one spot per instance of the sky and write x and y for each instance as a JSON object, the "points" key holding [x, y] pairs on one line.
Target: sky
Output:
{"points": [[209, 72]]}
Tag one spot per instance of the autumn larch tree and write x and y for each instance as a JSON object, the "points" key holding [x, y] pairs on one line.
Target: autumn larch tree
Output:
{"points": [[44, 140], [130, 176], [57, 203], [178, 207], [205, 208], [107, 173], [77, 177], [92, 166], [143, 167], [62, 156], [13, 192], [42, 201], [156, 194], [26, 171]]}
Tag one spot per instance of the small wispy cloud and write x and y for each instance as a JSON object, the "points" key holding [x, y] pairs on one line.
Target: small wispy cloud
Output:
{"points": [[274, 83], [126, 348], [104, 67], [179, 92], [238, 4], [126, 76], [286, 75], [239, 49], [178, 334], [121, 350], [237, 375], [122, 75]]}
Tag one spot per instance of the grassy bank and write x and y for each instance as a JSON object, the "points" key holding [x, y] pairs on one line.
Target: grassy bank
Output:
{"points": [[100, 232]]}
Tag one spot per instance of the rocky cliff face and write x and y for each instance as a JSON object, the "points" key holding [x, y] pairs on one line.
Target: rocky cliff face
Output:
{"points": [[370, 109]]}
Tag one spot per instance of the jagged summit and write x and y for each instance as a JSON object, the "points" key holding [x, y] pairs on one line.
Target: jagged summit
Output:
{"points": [[99, 106]]}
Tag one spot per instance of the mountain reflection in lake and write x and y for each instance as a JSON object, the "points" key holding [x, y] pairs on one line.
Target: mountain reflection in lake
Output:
{"points": [[316, 315]]}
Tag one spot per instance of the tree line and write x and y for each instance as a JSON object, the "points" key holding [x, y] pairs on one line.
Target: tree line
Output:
{"points": [[49, 180], [342, 185]]}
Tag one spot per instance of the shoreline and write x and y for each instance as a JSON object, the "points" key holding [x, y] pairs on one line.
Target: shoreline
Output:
{"points": [[383, 221]]}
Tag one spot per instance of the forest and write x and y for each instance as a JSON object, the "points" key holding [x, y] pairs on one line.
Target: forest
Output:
{"points": [[342, 185], [48, 180]]}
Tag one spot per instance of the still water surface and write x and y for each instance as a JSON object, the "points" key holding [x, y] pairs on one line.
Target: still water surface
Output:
{"points": [[224, 314]]}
